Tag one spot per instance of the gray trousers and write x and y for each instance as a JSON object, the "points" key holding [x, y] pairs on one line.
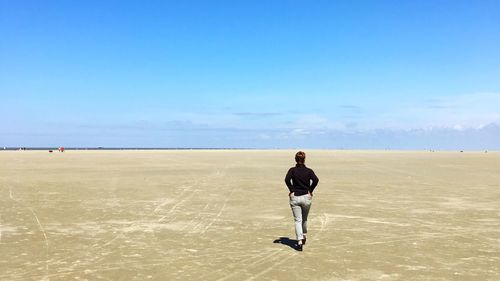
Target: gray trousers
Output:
{"points": [[300, 209]]}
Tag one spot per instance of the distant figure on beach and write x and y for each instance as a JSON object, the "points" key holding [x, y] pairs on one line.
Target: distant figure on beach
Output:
{"points": [[301, 182]]}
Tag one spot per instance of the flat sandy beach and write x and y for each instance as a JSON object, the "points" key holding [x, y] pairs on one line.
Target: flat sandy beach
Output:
{"points": [[218, 215]]}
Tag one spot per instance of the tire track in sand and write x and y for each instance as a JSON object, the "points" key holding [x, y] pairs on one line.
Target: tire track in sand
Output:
{"points": [[40, 227]]}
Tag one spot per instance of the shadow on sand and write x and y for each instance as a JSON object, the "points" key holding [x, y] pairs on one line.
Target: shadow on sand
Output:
{"points": [[292, 243]]}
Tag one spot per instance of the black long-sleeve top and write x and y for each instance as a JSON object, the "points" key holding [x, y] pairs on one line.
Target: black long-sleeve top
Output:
{"points": [[300, 180]]}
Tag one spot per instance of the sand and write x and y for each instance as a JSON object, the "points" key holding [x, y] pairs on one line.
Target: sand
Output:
{"points": [[216, 215]]}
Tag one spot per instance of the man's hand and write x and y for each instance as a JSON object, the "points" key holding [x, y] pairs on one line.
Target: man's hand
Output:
{"points": [[290, 194]]}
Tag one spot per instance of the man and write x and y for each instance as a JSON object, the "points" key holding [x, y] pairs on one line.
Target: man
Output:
{"points": [[301, 182]]}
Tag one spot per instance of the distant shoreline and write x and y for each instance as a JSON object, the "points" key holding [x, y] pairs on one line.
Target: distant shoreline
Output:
{"points": [[126, 148], [232, 148]]}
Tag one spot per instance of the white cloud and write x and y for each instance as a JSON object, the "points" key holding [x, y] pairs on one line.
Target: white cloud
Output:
{"points": [[458, 111], [300, 132], [466, 111], [316, 122]]}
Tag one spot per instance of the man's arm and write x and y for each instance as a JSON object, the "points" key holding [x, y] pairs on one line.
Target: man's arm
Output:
{"points": [[314, 183], [288, 180]]}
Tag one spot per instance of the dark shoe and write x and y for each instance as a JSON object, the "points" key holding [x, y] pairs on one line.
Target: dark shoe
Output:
{"points": [[304, 241], [299, 248]]}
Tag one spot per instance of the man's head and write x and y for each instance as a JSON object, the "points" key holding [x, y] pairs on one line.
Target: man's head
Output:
{"points": [[300, 157]]}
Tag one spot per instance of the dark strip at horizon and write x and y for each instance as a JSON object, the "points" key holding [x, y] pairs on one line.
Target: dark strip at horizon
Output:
{"points": [[219, 148], [129, 148]]}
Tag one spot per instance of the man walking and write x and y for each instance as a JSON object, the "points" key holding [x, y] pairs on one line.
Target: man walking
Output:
{"points": [[301, 182]]}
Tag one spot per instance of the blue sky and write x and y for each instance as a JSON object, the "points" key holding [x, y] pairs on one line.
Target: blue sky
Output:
{"points": [[266, 74]]}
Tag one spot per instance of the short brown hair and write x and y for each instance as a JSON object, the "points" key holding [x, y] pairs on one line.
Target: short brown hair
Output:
{"points": [[300, 157]]}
